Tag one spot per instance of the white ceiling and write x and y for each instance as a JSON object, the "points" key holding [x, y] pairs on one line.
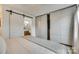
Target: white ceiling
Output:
{"points": [[37, 9]]}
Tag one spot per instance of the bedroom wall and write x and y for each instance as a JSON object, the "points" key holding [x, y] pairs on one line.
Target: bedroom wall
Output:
{"points": [[61, 26], [76, 31]]}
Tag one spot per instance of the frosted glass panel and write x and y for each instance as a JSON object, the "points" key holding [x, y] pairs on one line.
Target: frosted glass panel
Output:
{"points": [[61, 25], [41, 26]]}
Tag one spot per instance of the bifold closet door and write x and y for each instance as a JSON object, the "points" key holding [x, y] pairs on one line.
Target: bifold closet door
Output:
{"points": [[41, 26], [16, 25], [62, 25]]}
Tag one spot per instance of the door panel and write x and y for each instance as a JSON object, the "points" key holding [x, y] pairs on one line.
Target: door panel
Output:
{"points": [[41, 26]]}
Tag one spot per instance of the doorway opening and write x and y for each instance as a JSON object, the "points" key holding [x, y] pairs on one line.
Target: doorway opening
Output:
{"points": [[27, 26]]}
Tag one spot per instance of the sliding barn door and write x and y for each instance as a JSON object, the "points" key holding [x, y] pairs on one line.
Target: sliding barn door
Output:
{"points": [[62, 25], [41, 26], [16, 25]]}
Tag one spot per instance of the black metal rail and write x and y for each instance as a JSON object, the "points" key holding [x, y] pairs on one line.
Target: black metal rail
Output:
{"points": [[18, 13]]}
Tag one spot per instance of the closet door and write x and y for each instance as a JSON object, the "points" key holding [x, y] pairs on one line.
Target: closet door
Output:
{"points": [[16, 25], [41, 27], [62, 25]]}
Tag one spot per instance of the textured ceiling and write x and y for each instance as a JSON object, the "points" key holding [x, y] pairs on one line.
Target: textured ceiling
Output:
{"points": [[37, 9]]}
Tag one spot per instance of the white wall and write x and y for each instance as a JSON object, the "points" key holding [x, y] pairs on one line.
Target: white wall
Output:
{"points": [[76, 32], [62, 25]]}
